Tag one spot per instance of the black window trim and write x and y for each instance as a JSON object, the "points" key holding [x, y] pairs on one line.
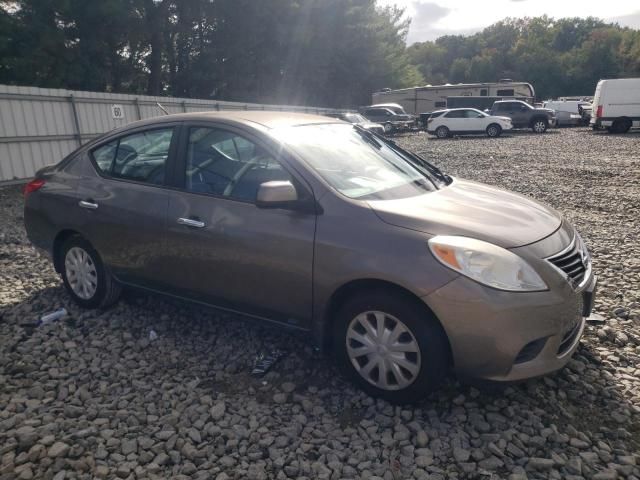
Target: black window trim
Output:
{"points": [[147, 128], [178, 172]]}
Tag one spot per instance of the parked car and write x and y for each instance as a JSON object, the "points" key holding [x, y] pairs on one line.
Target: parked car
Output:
{"points": [[568, 112], [524, 115], [388, 118], [357, 119], [393, 267], [617, 104], [461, 121], [394, 107]]}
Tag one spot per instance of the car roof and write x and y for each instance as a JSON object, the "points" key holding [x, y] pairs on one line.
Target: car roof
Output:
{"points": [[265, 118]]}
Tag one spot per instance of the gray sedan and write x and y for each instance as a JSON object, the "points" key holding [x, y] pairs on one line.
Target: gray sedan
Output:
{"points": [[399, 270]]}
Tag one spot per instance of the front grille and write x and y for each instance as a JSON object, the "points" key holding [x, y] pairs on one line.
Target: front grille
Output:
{"points": [[572, 262]]}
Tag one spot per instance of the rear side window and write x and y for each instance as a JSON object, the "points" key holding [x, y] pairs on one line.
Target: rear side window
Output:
{"points": [[141, 157], [104, 156]]}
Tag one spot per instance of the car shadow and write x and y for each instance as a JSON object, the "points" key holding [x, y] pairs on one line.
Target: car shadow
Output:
{"points": [[214, 352], [631, 133]]}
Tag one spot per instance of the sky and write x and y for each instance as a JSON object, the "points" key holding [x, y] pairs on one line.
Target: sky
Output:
{"points": [[434, 18]]}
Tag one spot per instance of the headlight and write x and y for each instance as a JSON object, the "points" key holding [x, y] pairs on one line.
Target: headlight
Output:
{"points": [[486, 263]]}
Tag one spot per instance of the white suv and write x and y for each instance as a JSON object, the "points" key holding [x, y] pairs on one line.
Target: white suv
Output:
{"points": [[459, 121]]}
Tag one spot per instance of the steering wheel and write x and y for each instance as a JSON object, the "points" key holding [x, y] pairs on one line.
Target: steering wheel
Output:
{"points": [[262, 158]]}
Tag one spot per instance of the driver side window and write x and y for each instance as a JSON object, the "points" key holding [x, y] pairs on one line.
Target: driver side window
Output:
{"points": [[223, 163]]}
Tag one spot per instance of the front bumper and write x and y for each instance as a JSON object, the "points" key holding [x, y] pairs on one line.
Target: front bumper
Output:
{"points": [[507, 336]]}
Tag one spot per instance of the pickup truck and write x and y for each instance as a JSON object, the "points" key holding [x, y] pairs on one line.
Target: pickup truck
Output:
{"points": [[523, 115]]}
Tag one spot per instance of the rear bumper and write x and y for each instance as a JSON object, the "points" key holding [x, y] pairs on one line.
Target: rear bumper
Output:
{"points": [[506, 336]]}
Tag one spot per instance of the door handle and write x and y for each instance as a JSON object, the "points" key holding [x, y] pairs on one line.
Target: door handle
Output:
{"points": [[190, 222], [88, 204]]}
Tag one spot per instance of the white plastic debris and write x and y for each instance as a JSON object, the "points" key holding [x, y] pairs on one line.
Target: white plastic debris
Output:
{"points": [[153, 335], [52, 317], [596, 319]]}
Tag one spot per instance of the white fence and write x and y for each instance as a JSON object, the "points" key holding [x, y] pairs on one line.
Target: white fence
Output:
{"points": [[39, 126]]}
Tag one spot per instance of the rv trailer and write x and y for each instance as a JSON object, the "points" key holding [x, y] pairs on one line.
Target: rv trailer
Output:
{"points": [[432, 97]]}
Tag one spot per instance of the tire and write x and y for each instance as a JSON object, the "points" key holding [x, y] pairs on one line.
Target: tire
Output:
{"points": [[417, 329], [620, 125], [388, 128], [494, 130], [442, 132], [539, 125], [101, 289]]}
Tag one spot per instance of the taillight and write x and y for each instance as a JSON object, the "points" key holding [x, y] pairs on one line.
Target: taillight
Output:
{"points": [[32, 186], [599, 111]]}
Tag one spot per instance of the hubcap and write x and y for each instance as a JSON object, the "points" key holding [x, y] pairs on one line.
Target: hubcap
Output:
{"points": [[442, 133], [383, 350], [493, 131], [539, 127], [81, 273], [387, 128]]}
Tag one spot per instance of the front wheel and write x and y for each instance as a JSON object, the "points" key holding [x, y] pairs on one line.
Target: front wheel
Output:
{"points": [[539, 126], [494, 130], [84, 275], [391, 346], [388, 128]]}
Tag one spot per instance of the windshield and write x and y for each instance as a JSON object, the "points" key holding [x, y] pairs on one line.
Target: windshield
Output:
{"points": [[356, 163], [355, 118]]}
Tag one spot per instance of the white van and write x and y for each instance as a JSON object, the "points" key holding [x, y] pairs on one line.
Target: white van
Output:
{"points": [[616, 105]]}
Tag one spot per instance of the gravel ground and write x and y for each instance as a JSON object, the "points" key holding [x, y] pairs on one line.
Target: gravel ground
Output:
{"points": [[90, 396]]}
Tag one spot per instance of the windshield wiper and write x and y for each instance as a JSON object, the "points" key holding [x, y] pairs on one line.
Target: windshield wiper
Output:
{"points": [[367, 136], [435, 171]]}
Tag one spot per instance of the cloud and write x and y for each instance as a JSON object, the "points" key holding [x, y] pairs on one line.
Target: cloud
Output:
{"points": [[425, 15], [632, 20]]}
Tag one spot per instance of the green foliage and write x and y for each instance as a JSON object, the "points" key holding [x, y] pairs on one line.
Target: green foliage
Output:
{"points": [[320, 52], [559, 57]]}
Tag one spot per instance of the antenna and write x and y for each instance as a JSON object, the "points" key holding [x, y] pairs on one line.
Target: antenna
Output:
{"points": [[162, 108]]}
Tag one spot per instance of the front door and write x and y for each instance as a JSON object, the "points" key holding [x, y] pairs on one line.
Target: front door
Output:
{"points": [[224, 249]]}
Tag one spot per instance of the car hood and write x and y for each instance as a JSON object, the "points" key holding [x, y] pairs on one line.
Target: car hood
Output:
{"points": [[474, 210]]}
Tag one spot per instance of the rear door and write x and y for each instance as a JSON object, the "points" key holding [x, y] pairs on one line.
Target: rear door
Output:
{"points": [[224, 249], [122, 203]]}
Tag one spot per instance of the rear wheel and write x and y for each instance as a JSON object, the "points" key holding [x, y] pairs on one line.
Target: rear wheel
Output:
{"points": [[539, 125], [442, 132], [621, 125], [494, 130], [84, 275], [390, 346]]}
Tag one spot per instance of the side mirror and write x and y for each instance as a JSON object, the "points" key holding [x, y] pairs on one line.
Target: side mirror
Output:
{"points": [[276, 194]]}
